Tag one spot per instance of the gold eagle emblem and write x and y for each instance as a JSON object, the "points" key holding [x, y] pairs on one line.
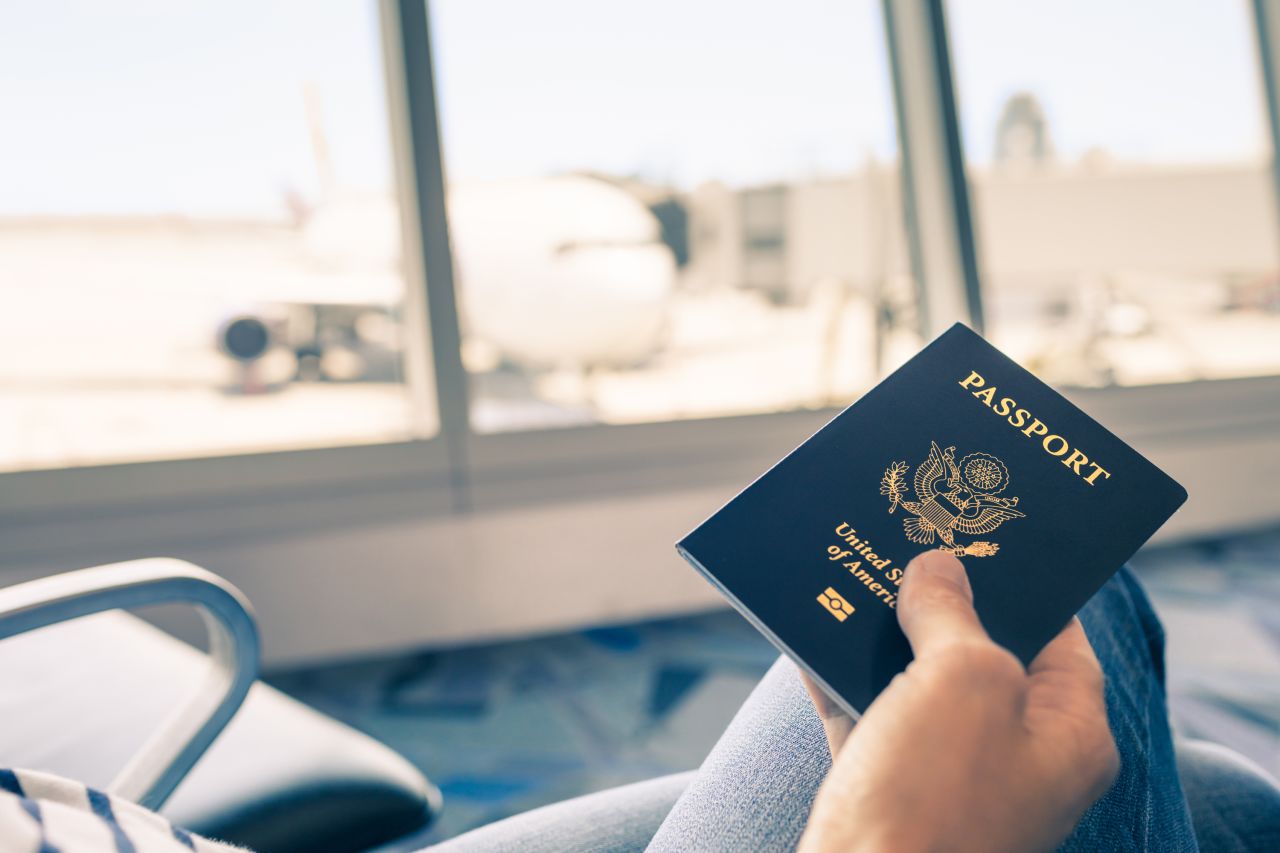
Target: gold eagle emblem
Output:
{"points": [[952, 498]]}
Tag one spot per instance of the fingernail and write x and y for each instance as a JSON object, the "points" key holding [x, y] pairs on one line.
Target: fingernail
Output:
{"points": [[941, 566]]}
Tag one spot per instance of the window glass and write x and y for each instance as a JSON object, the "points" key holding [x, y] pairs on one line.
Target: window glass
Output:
{"points": [[669, 210], [199, 238], [1120, 169]]}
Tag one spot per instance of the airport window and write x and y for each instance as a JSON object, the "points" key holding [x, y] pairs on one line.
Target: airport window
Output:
{"points": [[1122, 187], [655, 217], [199, 234], [658, 214]]}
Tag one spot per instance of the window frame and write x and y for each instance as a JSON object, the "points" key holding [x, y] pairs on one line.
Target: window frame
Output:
{"points": [[458, 471]]}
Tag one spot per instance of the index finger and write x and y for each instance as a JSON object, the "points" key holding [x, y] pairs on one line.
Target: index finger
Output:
{"points": [[1068, 653], [835, 722]]}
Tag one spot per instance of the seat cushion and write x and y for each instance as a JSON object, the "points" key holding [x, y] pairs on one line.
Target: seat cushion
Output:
{"points": [[80, 698], [1234, 804]]}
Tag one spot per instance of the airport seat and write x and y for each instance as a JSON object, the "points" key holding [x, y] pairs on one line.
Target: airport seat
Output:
{"points": [[82, 697], [1234, 803]]}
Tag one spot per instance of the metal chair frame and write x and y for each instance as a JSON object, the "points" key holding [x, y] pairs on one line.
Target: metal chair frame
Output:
{"points": [[234, 654]]}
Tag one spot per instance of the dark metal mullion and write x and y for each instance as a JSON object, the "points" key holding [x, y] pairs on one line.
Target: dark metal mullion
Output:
{"points": [[452, 393], [909, 196], [1265, 23], [949, 114], [932, 165]]}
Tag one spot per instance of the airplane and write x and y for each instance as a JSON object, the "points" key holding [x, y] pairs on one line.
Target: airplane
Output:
{"points": [[569, 271]]}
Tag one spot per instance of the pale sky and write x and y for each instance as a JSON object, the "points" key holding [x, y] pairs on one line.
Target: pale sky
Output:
{"points": [[178, 106]]}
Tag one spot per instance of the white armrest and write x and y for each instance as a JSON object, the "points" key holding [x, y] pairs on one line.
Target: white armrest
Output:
{"points": [[152, 774]]}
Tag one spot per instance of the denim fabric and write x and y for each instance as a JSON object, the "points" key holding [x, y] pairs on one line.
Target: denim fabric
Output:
{"points": [[755, 789], [1145, 808], [619, 820]]}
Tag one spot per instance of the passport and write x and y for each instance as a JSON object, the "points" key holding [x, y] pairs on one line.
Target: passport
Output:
{"points": [[959, 449]]}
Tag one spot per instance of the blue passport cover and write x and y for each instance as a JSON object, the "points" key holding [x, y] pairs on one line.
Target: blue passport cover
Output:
{"points": [[959, 449]]}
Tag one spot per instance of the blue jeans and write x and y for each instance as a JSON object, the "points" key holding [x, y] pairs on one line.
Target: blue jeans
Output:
{"points": [[755, 788]]}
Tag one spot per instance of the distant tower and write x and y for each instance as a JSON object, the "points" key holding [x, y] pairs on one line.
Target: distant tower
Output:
{"points": [[1022, 133]]}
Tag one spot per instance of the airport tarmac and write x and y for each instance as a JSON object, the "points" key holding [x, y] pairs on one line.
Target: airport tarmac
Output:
{"points": [[85, 399], [108, 347]]}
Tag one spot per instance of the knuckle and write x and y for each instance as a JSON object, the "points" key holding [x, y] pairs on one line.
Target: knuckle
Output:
{"points": [[1092, 676], [1094, 686], [1106, 756], [1098, 755]]}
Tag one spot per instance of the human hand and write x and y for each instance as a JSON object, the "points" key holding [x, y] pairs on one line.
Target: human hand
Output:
{"points": [[966, 749]]}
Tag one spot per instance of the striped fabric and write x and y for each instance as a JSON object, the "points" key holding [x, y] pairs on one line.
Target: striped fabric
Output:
{"points": [[43, 813]]}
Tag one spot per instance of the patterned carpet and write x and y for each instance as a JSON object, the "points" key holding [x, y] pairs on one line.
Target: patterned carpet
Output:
{"points": [[1220, 604], [507, 727]]}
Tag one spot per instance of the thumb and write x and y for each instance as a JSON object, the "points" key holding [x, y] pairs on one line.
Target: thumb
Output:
{"points": [[935, 607]]}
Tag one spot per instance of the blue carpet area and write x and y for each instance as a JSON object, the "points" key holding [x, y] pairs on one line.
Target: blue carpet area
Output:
{"points": [[507, 727], [1220, 604]]}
